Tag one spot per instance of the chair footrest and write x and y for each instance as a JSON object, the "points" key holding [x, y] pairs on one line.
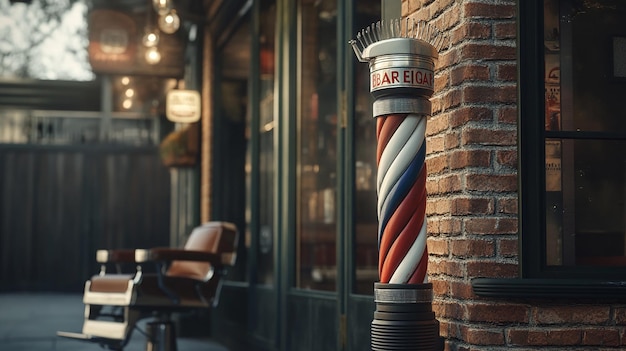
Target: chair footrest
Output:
{"points": [[110, 343], [78, 336]]}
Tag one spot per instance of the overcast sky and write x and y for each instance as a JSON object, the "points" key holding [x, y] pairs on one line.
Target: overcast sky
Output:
{"points": [[63, 53]]}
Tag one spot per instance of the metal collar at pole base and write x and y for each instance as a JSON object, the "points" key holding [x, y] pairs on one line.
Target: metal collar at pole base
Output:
{"points": [[404, 319]]}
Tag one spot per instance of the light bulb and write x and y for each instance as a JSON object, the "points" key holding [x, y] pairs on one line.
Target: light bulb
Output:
{"points": [[153, 56], [170, 22], [151, 38], [161, 6]]}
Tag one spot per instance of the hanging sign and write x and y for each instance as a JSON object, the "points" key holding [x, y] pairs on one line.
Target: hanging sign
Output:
{"points": [[112, 44], [115, 45], [182, 106]]}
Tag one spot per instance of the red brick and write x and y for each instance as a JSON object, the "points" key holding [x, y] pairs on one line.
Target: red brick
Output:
{"points": [[437, 163], [493, 225], [507, 115], [450, 226], [475, 30], [438, 247], [468, 73], [448, 58], [448, 309], [496, 313], [472, 206], [602, 336], [506, 30], [506, 72], [491, 269], [488, 137], [524, 336], [506, 205], [470, 158], [461, 289], [564, 336], [436, 205], [543, 337], [466, 114], [491, 182], [452, 140], [451, 99], [440, 287], [442, 81], [472, 248], [482, 336], [435, 108], [443, 266], [488, 52], [449, 183], [435, 144], [508, 247], [506, 94], [437, 124], [444, 329], [620, 315], [490, 11], [571, 314], [507, 158]]}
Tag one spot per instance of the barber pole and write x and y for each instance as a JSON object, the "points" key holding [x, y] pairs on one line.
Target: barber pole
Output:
{"points": [[401, 56]]}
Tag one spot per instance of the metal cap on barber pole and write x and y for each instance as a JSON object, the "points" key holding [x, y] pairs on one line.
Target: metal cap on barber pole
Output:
{"points": [[401, 56]]}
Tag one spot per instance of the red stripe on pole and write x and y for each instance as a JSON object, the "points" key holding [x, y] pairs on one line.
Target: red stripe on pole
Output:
{"points": [[419, 275], [415, 204], [386, 126]]}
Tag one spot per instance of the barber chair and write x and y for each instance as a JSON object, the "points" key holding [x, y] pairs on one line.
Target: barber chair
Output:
{"points": [[165, 281]]}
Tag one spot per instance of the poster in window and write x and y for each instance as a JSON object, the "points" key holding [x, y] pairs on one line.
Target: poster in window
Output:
{"points": [[553, 165], [553, 93], [552, 48]]}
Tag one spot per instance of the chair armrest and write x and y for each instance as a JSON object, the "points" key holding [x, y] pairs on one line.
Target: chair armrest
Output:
{"points": [[115, 256], [167, 254]]}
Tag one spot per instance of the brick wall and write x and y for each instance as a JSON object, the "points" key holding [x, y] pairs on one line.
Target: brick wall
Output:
{"points": [[472, 187]]}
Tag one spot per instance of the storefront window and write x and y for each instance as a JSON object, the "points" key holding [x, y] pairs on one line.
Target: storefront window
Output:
{"points": [[317, 146], [267, 169], [585, 133]]}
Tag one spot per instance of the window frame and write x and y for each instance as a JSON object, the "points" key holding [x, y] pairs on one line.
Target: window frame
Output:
{"points": [[536, 279], [531, 151]]}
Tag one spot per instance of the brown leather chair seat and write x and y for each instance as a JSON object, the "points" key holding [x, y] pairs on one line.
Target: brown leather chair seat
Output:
{"points": [[184, 279]]}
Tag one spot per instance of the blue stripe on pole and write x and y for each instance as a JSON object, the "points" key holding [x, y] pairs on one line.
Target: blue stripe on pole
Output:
{"points": [[400, 189]]}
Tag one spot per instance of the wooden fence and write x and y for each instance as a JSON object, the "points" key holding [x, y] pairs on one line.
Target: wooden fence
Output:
{"points": [[59, 204]]}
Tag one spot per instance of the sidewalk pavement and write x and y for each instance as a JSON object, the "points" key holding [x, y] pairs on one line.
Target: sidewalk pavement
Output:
{"points": [[30, 321]]}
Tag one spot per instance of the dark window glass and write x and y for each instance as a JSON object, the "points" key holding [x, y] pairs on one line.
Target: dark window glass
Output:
{"points": [[365, 219], [267, 169], [584, 135], [317, 146]]}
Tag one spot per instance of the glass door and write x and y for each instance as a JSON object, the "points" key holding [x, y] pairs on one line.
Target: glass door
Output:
{"points": [[317, 147]]}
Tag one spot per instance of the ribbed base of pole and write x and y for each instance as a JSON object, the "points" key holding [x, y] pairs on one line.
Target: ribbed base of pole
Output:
{"points": [[404, 319]]}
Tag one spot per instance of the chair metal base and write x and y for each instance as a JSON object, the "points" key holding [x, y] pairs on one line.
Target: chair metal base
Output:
{"points": [[160, 336], [104, 342]]}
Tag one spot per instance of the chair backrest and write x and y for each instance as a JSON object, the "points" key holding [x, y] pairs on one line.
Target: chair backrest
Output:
{"points": [[218, 238]]}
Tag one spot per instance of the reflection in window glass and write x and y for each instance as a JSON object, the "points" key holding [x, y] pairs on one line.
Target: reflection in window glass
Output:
{"points": [[265, 254], [45, 39], [317, 157], [585, 172], [233, 123]]}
